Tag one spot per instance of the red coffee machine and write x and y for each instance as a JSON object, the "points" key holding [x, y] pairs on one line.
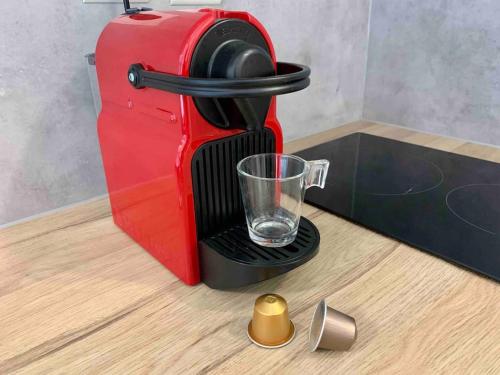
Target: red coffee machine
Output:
{"points": [[185, 96]]}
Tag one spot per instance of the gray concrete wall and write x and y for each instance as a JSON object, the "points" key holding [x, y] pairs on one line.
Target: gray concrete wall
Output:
{"points": [[49, 155], [331, 37], [434, 65]]}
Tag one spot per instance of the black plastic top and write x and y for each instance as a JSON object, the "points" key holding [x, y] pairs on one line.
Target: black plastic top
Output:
{"points": [[129, 10], [232, 76]]}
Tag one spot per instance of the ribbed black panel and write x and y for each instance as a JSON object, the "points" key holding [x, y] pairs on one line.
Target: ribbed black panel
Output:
{"points": [[216, 191], [235, 244]]}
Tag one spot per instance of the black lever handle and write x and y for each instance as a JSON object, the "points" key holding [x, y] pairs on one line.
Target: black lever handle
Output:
{"points": [[289, 78]]}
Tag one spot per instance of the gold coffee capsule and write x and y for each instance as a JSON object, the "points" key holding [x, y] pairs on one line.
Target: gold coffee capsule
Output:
{"points": [[331, 329], [270, 326]]}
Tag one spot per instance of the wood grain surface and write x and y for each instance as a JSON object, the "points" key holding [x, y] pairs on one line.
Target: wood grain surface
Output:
{"points": [[77, 296]]}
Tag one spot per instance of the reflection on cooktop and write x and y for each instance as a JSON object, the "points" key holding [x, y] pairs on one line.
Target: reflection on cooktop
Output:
{"points": [[440, 202], [478, 205], [414, 176]]}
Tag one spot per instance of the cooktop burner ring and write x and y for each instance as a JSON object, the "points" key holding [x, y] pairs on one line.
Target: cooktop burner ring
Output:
{"points": [[367, 164], [434, 170], [494, 231]]}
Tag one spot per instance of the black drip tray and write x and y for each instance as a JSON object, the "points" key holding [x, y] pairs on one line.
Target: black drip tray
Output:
{"points": [[230, 259]]}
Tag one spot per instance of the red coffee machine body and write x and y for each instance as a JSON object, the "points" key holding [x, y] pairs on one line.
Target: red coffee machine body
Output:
{"points": [[148, 136]]}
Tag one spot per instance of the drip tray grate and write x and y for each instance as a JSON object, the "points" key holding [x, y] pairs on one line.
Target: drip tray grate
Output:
{"points": [[230, 258]]}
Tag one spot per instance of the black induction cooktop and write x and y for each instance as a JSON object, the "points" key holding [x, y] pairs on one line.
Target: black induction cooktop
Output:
{"points": [[440, 202]]}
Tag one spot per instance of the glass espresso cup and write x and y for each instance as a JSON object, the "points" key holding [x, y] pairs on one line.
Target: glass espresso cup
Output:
{"points": [[273, 187]]}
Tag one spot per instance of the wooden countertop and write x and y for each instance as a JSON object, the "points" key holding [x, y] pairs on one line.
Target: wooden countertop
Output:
{"points": [[78, 296]]}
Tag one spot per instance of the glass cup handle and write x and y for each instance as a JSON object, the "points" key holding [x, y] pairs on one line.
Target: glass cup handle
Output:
{"points": [[316, 173]]}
